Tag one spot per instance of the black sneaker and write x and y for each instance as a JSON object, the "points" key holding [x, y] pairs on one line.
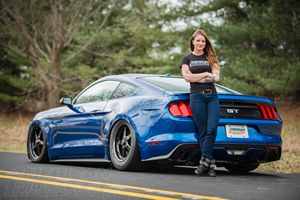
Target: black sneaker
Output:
{"points": [[211, 172], [201, 170]]}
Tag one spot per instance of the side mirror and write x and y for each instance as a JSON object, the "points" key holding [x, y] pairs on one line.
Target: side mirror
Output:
{"points": [[67, 101]]}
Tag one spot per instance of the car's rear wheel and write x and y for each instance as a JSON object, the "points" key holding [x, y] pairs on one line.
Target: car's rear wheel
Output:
{"points": [[241, 168], [37, 145], [123, 146]]}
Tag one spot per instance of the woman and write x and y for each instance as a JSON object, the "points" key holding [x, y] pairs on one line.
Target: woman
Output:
{"points": [[201, 69]]}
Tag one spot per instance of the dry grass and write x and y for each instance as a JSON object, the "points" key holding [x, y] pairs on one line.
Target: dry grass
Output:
{"points": [[13, 133]]}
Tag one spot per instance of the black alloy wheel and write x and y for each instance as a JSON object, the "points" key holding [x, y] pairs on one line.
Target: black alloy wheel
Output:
{"points": [[122, 143], [37, 145], [123, 147]]}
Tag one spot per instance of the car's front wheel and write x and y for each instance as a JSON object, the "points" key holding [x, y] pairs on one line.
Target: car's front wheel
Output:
{"points": [[241, 168], [123, 146], [37, 145]]}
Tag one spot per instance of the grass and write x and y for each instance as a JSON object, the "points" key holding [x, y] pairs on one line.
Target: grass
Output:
{"points": [[13, 135], [13, 132]]}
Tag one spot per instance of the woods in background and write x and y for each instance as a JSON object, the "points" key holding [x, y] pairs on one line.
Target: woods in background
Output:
{"points": [[56, 47]]}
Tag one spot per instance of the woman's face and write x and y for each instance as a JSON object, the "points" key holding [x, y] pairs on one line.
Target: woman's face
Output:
{"points": [[199, 43]]}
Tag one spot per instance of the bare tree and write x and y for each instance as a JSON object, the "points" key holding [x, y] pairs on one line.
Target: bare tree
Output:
{"points": [[47, 34]]}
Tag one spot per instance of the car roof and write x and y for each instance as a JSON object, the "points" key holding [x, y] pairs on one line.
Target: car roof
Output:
{"points": [[138, 75], [134, 78]]}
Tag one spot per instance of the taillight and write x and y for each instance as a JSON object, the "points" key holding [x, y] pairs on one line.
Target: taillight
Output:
{"points": [[268, 112], [180, 109]]}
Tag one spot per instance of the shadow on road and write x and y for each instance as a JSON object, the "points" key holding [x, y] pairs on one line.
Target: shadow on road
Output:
{"points": [[160, 169], [187, 170]]}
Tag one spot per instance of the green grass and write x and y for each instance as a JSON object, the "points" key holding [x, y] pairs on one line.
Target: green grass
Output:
{"points": [[13, 135]]}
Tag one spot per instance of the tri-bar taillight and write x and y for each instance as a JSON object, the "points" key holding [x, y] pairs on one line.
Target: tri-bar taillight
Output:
{"points": [[268, 112], [180, 109]]}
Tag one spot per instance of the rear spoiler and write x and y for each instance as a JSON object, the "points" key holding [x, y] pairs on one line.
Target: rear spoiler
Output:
{"points": [[238, 97], [179, 94]]}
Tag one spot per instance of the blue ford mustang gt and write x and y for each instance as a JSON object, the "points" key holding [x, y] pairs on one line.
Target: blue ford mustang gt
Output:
{"points": [[133, 119]]}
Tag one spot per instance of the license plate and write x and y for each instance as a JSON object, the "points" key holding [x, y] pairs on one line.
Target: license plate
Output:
{"points": [[237, 131]]}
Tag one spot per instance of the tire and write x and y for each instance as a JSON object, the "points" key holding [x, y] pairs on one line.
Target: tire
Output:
{"points": [[123, 147], [241, 168], [37, 149]]}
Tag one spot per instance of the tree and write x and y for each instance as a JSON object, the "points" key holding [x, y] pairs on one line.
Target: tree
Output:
{"points": [[257, 41], [10, 83], [91, 40], [46, 33], [133, 41]]}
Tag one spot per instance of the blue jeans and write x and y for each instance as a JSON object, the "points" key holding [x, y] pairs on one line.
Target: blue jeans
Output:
{"points": [[206, 111]]}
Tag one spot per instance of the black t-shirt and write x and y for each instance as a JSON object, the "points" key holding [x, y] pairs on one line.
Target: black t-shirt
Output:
{"points": [[198, 64]]}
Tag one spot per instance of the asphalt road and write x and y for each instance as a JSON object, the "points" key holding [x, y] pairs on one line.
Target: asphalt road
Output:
{"points": [[21, 179]]}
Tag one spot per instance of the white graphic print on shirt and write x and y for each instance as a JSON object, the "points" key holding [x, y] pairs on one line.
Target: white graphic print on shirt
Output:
{"points": [[198, 63]]}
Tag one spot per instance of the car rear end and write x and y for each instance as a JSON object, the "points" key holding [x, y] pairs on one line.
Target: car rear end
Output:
{"points": [[249, 128]]}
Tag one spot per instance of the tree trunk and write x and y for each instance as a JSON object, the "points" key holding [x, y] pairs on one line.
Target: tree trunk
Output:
{"points": [[52, 93], [54, 80], [57, 46], [52, 97]]}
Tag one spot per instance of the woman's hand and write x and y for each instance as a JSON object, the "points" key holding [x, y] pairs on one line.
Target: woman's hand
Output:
{"points": [[208, 79], [216, 75]]}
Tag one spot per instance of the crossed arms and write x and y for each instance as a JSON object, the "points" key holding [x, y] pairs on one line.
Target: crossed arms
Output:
{"points": [[204, 77]]}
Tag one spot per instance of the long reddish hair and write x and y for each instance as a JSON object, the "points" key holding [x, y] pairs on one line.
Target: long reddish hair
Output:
{"points": [[209, 51]]}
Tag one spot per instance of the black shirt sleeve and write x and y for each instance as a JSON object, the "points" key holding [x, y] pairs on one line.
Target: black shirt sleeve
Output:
{"points": [[185, 60]]}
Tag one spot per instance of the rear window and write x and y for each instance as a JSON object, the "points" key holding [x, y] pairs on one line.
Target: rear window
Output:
{"points": [[178, 84]]}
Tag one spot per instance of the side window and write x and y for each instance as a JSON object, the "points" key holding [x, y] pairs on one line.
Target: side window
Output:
{"points": [[123, 90], [98, 92]]}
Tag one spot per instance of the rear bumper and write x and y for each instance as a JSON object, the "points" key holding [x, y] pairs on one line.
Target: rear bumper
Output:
{"points": [[162, 146], [171, 134], [227, 153], [247, 153]]}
